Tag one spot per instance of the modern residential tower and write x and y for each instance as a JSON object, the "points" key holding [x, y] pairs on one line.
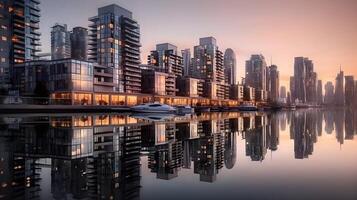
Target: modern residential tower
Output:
{"points": [[166, 57], [19, 35], [256, 75], [349, 90], [187, 64], [115, 44], [230, 67], [329, 93], [208, 60], [339, 89], [60, 42], [79, 43], [273, 94]]}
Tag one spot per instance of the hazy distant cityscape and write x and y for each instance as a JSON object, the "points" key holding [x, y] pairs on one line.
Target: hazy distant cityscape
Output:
{"points": [[101, 65]]}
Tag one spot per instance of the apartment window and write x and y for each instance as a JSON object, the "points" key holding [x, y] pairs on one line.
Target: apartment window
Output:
{"points": [[3, 60], [3, 38]]}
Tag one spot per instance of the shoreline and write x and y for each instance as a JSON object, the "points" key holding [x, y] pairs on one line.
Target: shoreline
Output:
{"points": [[4, 109]]}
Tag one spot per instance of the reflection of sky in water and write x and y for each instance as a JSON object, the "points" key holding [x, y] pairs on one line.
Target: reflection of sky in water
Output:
{"points": [[324, 141]]}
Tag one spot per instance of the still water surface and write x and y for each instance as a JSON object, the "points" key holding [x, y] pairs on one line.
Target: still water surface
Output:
{"points": [[306, 154]]}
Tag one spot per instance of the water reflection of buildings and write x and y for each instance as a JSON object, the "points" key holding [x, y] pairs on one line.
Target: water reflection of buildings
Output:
{"points": [[88, 158], [98, 156]]}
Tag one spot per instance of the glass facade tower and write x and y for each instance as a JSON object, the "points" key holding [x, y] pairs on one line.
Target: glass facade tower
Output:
{"points": [[115, 43]]}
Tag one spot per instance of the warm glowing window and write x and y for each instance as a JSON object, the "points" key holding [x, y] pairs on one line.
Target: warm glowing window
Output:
{"points": [[3, 38], [132, 100], [118, 100], [101, 99]]}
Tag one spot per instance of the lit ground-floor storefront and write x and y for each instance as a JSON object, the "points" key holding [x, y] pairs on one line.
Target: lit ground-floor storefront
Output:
{"points": [[126, 99]]}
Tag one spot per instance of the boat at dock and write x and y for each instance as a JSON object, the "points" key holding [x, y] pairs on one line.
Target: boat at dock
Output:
{"points": [[184, 110], [153, 108], [247, 107]]}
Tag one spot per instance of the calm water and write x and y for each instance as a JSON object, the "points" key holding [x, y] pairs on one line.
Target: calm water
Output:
{"points": [[288, 155]]}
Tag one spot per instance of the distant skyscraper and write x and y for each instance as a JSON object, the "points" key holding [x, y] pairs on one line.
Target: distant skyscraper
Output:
{"points": [[310, 82], [300, 78], [187, 66], [349, 90], [79, 43], [256, 72], [230, 67], [115, 44], [319, 92], [208, 61], [273, 83], [355, 101], [166, 58], [292, 89], [60, 42], [283, 92], [19, 35], [329, 93], [339, 89], [305, 81]]}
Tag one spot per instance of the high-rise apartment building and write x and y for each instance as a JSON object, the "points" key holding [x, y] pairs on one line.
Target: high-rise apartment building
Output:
{"points": [[299, 79], [305, 81], [166, 57], [274, 84], [339, 89], [60, 42], [19, 35], [115, 44], [208, 61], [349, 90], [79, 43], [292, 89], [283, 92], [230, 67], [256, 72], [319, 93], [256, 75], [310, 82], [187, 64], [329, 93]]}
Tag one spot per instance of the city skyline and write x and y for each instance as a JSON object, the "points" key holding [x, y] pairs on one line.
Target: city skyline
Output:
{"points": [[279, 46]]}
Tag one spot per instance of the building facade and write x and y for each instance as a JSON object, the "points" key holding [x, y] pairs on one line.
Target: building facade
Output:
{"points": [[20, 36], [274, 84], [349, 90], [320, 99], [79, 43], [329, 93], [230, 67], [256, 75], [166, 57], [208, 61], [187, 64], [340, 89], [60, 42], [115, 43]]}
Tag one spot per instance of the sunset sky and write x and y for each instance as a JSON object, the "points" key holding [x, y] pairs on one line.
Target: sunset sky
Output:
{"points": [[323, 30]]}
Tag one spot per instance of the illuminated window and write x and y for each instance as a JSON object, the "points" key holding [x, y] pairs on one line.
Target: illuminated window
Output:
{"points": [[3, 60], [3, 38], [132, 100]]}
